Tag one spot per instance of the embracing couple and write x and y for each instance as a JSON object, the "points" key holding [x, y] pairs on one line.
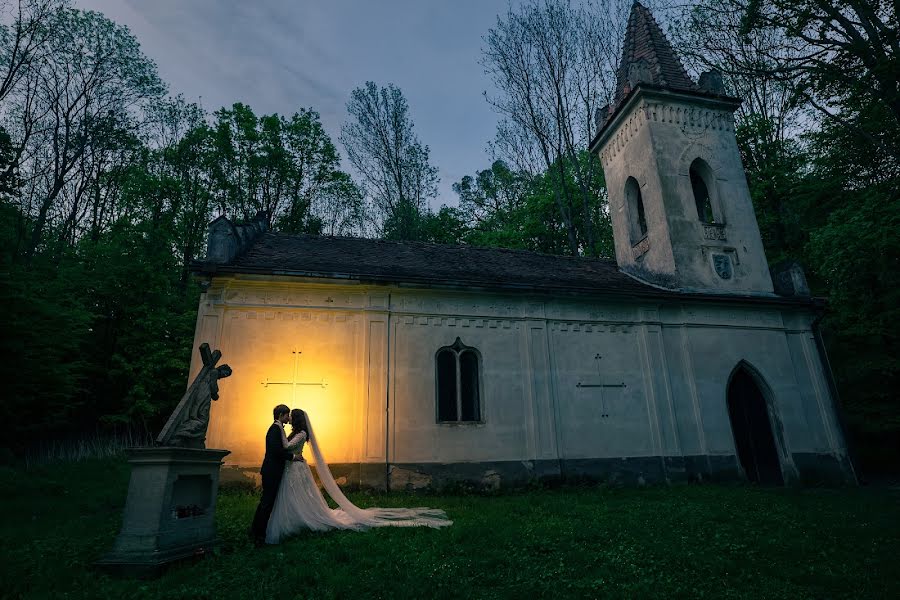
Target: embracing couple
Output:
{"points": [[291, 501]]}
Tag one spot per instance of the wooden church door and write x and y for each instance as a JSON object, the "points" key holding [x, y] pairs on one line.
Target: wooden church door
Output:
{"points": [[752, 430]]}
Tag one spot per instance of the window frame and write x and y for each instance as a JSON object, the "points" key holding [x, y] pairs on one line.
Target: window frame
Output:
{"points": [[457, 348], [705, 173], [635, 207]]}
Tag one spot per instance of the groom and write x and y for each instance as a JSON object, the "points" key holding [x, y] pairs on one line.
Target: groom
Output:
{"points": [[272, 471]]}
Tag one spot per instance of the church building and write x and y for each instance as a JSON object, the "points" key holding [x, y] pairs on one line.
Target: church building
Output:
{"points": [[425, 365]]}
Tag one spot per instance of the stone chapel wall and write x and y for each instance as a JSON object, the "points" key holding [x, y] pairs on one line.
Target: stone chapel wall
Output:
{"points": [[570, 386]]}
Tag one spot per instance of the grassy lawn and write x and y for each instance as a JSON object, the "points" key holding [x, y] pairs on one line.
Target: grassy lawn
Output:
{"points": [[679, 541]]}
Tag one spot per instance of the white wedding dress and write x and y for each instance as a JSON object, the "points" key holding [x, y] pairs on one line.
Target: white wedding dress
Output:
{"points": [[300, 505]]}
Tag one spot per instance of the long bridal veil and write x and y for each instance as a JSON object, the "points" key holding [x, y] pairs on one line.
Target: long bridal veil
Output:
{"points": [[371, 517]]}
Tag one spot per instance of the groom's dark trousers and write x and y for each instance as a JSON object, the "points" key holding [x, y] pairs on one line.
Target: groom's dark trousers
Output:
{"points": [[272, 471]]}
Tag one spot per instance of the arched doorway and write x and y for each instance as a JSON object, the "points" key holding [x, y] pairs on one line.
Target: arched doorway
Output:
{"points": [[752, 429]]}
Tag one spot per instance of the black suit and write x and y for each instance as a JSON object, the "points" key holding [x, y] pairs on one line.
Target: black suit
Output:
{"points": [[272, 471]]}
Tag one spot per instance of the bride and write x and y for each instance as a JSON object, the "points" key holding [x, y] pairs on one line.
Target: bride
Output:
{"points": [[300, 505]]}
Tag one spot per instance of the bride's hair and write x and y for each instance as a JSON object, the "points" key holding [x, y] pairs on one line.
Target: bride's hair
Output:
{"points": [[298, 422]]}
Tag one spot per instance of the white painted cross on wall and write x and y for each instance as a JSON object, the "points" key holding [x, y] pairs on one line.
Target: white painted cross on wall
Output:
{"points": [[293, 382], [599, 385]]}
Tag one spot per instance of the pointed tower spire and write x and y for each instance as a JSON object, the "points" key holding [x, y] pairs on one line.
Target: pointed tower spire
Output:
{"points": [[648, 57]]}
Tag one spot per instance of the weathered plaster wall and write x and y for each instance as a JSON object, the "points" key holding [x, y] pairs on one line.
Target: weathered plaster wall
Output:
{"points": [[668, 366], [655, 140]]}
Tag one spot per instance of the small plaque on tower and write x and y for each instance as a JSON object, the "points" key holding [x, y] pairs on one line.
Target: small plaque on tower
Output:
{"points": [[722, 265]]}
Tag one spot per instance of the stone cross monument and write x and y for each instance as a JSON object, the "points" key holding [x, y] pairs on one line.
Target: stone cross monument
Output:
{"points": [[170, 509], [187, 425]]}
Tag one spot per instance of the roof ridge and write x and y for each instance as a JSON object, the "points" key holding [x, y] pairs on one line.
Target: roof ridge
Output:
{"points": [[503, 270], [438, 245]]}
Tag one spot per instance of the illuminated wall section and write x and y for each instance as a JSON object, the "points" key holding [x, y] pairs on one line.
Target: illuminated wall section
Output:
{"points": [[259, 329]]}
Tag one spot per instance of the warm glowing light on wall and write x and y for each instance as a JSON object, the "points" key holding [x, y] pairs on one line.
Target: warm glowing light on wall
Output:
{"points": [[317, 374]]}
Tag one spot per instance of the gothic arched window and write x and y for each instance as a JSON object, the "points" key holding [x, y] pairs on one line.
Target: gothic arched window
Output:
{"points": [[637, 220], [701, 179], [458, 384]]}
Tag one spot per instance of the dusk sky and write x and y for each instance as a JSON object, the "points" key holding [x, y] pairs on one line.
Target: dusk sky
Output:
{"points": [[281, 55]]}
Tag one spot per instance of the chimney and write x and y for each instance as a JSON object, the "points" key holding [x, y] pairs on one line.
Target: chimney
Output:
{"points": [[226, 241]]}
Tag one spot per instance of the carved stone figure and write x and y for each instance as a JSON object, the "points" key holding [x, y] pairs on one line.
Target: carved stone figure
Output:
{"points": [[187, 426]]}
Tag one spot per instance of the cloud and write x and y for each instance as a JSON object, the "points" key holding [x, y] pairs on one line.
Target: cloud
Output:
{"points": [[279, 56]]}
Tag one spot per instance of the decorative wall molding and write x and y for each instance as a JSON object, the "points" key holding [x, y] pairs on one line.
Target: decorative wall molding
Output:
{"points": [[457, 305], [576, 327], [683, 115], [703, 317], [436, 321], [320, 316], [277, 297], [714, 231], [627, 130], [689, 116], [492, 313]]}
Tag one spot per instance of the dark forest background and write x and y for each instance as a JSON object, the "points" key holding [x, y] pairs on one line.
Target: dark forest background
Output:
{"points": [[107, 183]]}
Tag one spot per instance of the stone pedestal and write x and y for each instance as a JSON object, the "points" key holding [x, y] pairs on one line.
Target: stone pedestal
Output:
{"points": [[170, 510]]}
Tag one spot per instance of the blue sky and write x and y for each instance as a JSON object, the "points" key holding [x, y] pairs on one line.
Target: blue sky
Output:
{"points": [[280, 55]]}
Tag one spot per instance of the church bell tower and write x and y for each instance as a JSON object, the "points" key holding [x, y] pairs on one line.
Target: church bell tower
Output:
{"points": [[680, 206]]}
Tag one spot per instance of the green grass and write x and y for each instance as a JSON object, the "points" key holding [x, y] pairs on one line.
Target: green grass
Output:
{"points": [[664, 542]]}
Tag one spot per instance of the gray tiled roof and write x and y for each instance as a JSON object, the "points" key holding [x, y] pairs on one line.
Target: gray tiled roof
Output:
{"points": [[436, 264], [419, 263]]}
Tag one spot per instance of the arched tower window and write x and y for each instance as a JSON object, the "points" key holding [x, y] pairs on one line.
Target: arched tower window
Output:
{"points": [[637, 220], [458, 384], [701, 180]]}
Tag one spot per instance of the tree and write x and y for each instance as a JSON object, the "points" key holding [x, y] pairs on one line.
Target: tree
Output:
{"points": [[554, 66], [24, 41], [178, 166], [288, 168], [712, 35], [382, 146], [492, 194], [9, 180], [855, 253], [845, 49], [340, 208], [42, 362], [138, 348], [320, 192], [91, 77], [446, 226], [775, 166], [508, 209]]}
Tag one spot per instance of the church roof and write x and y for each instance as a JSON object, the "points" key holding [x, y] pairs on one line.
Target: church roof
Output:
{"points": [[648, 57], [382, 261], [419, 262]]}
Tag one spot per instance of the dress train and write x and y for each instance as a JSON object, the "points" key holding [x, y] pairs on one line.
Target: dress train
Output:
{"points": [[300, 505]]}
